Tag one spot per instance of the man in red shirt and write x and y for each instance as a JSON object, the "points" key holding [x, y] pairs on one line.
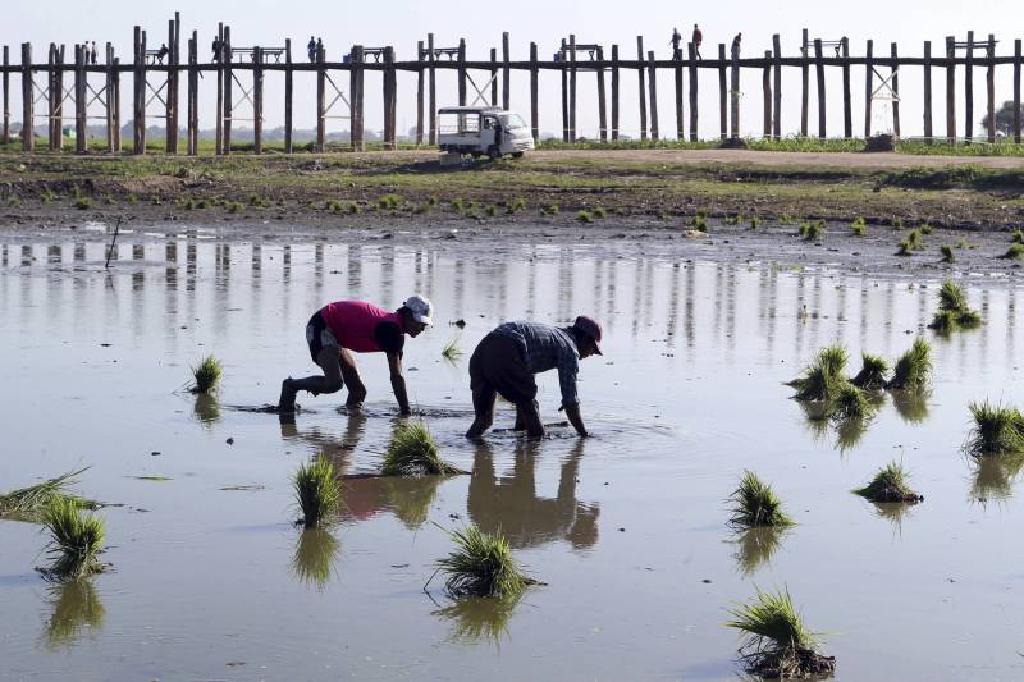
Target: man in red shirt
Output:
{"points": [[697, 38], [344, 327]]}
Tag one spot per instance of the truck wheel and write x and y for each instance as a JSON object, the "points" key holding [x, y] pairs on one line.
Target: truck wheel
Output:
{"points": [[492, 153], [517, 155]]}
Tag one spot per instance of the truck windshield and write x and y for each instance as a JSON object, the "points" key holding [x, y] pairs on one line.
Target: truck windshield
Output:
{"points": [[513, 121]]}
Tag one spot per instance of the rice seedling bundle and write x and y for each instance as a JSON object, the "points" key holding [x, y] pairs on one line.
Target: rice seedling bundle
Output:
{"points": [[413, 451], [27, 502], [998, 430], [755, 504], [823, 379], [872, 372], [75, 539], [481, 565], [890, 484], [913, 369], [207, 374], [318, 491]]}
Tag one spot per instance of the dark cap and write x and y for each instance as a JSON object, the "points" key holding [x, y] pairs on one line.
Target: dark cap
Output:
{"points": [[588, 327]]}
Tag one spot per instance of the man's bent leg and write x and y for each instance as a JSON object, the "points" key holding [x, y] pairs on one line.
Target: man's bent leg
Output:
{"points": [[330, 382], [483, 406], [350, 375], [531, 418]]}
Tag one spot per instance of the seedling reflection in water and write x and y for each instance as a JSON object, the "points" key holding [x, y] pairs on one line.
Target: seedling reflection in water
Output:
{"points": [[477, 618], [777, 643], [315, 552], [756, 546], [76, 605], [755, 504], [318, 491], [75, 540]]}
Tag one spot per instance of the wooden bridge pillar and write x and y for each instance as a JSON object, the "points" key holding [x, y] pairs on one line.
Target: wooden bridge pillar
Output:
{"points": [[572, 88], [219, 113], [819, 67], [534, 93], [642, 87], [869, 81], [192, 97], [723, 94], [432, 90], [27, 99], [929, 136], [847, 102], [805, 73], [171, 105], [950, 90], [81, 100], [777, 86], [565, 90], [420, 82], [139, 94], [734, 87], [462, 72], [321, 104], [655, 132], [229, 87], [257, 99], [766, 88], [602, 111], [990, 89], [1016, 91], [693, 82], [615, 92], [894, 80], [7, 94], [289, 97], [390, 99], [506, 73], [969, 88]]}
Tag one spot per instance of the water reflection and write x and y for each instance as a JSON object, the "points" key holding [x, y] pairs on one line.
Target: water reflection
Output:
{"points": [[756, 546], [75, 606], [315, 552], [207, 409], [994, 477], [510, 504], [911, 405], [478, 618], [408, 498]]}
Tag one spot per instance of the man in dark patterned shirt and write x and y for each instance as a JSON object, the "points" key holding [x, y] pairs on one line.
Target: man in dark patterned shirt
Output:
{"points": [[506, 360]]}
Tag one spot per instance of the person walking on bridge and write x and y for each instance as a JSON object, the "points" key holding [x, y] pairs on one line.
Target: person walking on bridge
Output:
{"points": [[507, 359], [676, 39], [736, 45], [311, 49], [342, 328], [696, 38]]}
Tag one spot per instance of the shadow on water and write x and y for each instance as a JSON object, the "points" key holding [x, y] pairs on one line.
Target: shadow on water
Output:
{"points": [[756, 546], [510, 504], [75, 606], [478, 618], [315, 552]]}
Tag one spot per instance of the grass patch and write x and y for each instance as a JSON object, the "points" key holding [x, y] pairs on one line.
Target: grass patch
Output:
{"points": [[83, 203], [778, 644], [872, 372], [207, 375], [1015, 252], [824, 378], [700, 221], [75, 540], [906, 249], [1017, 237], [755, 504], [890, 484], [481, 565], [516, 205], [998, 430], [389, 202], [33, 500], [913, 369], [954, 312], [317, 491], [413, 451], [584, 217], [851, 403], [813, 231], [947, 254]]}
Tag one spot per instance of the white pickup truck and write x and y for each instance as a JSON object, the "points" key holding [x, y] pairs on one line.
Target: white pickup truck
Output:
{"points": [[482, 131]]}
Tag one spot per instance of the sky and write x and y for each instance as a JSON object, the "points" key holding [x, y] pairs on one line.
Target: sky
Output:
{"points": [[402, 23]]}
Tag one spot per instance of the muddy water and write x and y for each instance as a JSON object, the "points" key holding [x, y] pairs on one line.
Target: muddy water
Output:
{"points": [[212, 581]]}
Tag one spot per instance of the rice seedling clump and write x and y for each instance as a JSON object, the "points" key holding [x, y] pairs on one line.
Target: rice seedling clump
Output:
{"points": [[318, 491], [28, 502], [998, 430], [777, 643], [207, 375], [755, 504], [947, 254], [481, 565], [451, 351], [851, 403], [75, 540], [412, 452], [1015, 252], [954, 312], [872, 372], [914, 367], [824, 378], [890, 484]]}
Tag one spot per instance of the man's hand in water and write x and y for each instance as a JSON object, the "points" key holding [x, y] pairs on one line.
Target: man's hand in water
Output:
{"points": [[573, 413]]}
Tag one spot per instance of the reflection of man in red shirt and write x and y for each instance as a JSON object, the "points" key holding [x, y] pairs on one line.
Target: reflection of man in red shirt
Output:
{"points": [[696, 38], [341, 328]]}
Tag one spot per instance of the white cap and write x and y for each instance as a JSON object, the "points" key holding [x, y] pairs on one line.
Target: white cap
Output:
{"points": [[421, 309]]}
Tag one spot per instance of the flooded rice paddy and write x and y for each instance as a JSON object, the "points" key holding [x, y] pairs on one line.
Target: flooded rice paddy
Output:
{"points": [[212, 580]]}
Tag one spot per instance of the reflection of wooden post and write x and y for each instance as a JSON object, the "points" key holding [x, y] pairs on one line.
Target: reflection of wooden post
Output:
{"points": [[990, 88], [655, 135], [81, 134], [289, 90], [777, 86], [602, 112], [894, 79], [805, 72], [969, 88], [431, 84], [572, 88], [927, 73], [506, 81], [257, 100], [643, 89], [27, 99], [420, 79], [691, 54], [869, 81], [847, 103], [615, 92], [820, 71], [534, 94], [1016, 91], [766, 87], [950, 90]]}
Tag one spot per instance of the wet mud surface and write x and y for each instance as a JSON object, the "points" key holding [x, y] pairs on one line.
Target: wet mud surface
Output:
{"points": [[628, 529]]}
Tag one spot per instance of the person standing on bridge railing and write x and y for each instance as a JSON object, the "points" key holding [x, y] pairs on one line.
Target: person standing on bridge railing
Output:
{"points": [[736, 45], [319, 48], [696, 39], [162, 53], [311, 49], [215, 47], [676, 39], [92, 53]]}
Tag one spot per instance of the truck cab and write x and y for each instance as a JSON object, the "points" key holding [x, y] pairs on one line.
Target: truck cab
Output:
{"points": [[482, 131]]}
